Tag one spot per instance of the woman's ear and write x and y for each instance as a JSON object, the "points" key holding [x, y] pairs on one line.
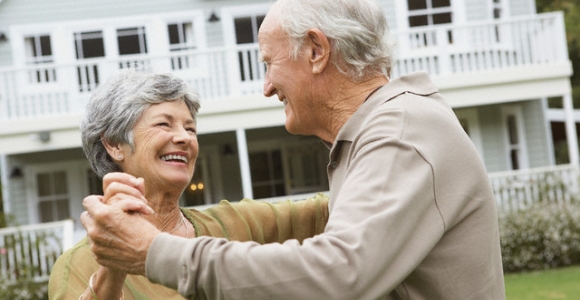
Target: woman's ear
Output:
{"points": [[114, 150], [318, 47]]}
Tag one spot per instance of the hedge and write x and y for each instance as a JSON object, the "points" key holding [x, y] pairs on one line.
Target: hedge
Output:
{"points": [[540, 237]]}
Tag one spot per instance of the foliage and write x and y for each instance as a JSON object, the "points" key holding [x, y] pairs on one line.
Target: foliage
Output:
{"points": [[571, 9], [22, 284], [559, 283], [543, 236], [23, 290]]}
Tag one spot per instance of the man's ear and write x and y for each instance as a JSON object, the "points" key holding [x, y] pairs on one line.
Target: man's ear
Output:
{"points": [[114, 150], [318, 48]]}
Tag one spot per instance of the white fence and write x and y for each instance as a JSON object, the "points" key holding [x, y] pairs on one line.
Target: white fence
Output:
{"points": [[29, 252], [519, 189]]}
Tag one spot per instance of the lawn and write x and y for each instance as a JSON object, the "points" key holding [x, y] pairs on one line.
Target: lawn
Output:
{"points": [[560, 283]]}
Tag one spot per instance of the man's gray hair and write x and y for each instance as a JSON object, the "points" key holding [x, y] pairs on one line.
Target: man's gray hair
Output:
{"points": [[361, 44], [116, 105]]}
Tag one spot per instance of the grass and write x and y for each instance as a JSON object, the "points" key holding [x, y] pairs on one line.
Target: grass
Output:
{"points": [[560, 283]]}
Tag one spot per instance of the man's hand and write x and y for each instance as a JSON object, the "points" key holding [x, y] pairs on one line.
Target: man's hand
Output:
{"points": [[119, 237]]}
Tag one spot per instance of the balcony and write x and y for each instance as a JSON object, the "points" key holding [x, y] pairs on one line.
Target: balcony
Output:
{"points": [[43, 90]]}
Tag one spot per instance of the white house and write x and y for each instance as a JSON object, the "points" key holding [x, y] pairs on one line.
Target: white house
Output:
{"points": [[495, 61]]}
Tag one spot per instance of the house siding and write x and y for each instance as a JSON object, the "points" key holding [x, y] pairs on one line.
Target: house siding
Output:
{"points": [[536, 137], [390, 12], [18, 201], [476, 10], [492, 138], [522, 7]]}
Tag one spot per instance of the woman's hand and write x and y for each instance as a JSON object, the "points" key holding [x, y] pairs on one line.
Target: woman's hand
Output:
{"points": [[126, 192], [119, 240]]}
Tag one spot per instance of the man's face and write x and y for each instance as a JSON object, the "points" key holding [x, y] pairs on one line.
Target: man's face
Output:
{"points": [[289, 79]]}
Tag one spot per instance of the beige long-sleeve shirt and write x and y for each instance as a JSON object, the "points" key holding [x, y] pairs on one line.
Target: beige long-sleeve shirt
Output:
{"points": [[412, 216]]}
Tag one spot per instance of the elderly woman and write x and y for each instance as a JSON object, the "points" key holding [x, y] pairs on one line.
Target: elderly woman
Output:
{"points": [[143, 124]]}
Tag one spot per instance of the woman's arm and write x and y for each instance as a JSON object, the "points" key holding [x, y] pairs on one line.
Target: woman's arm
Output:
{"points": [[263, 222]]}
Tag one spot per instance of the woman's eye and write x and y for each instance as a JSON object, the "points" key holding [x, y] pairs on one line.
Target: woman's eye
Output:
{"points": [[192, 130], [165, 124]]}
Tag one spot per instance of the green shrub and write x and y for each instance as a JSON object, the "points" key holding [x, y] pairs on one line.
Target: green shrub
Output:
{"points": [[540, 237]]}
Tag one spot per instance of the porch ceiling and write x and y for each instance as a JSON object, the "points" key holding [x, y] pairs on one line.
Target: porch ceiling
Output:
{"points": [[522, 83], [40, 134]]}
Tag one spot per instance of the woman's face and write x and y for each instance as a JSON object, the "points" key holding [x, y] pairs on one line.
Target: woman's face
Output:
{"points": [[165, 147]]}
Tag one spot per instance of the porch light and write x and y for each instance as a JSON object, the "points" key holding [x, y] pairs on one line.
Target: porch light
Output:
{"points": [[195, 187], [16, 173], [213, 18]]}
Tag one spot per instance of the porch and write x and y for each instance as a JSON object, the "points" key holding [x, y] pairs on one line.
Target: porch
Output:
{"points": [[36, 247]]}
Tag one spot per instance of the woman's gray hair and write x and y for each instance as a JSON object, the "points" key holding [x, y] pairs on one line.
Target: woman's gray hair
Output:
{"points": [[116, 105], [361, 44]]}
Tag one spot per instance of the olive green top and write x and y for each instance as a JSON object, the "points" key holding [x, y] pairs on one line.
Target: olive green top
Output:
{"points": [[247, 220]]}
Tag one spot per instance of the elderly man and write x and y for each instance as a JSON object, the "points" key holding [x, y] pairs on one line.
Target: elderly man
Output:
{"points": [[412, 214]]}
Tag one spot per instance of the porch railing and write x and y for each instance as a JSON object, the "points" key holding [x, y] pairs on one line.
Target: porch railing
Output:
{"points": [[48, 89], [29, 252], [519, 189], [38, 246]]}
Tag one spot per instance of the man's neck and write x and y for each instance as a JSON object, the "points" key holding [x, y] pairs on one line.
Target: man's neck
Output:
{"points": [[345, 101]]}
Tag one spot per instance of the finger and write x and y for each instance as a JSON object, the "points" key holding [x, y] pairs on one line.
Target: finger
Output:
{"points": [[124, 178], [131, 205], [86, 220], [115, 188]]}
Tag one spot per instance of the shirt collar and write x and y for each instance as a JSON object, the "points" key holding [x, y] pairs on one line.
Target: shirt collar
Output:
{"points": [[418, 83]]}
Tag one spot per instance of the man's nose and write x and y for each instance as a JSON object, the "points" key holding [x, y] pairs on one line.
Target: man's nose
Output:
{"points": [[269, 89]]}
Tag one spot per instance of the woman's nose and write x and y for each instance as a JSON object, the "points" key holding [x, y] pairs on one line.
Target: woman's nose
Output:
{"points": [[183, 136]]}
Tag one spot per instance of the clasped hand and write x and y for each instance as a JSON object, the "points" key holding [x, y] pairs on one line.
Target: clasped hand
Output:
{"points": [[118, 234]]}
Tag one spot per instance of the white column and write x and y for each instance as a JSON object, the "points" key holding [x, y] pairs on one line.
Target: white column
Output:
{"points": [[4, 176], [244, 163], [571, 136]]}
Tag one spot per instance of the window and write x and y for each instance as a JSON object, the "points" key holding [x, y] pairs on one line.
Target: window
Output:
{"points": [[429, 12], [514, 137], [88, 45], [246, 29], [39, 51], [307, 167], [197, 191], [94, 182], [267, 174], [53, 197], [496, 9], [514, 144], [132, 41], [181, 38]]}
